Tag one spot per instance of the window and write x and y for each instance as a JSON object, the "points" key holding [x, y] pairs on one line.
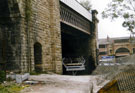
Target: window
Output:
{"points": [[102, 46], [102, 53]]}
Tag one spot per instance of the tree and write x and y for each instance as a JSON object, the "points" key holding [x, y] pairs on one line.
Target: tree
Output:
{"points": [[124, 9], [86, 4]]}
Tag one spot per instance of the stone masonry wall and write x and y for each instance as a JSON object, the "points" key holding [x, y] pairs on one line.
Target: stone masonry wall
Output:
{"points": [[42, 27], [32, 34], [34, 21]]}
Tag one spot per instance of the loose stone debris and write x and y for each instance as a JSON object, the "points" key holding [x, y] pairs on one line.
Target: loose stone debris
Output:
{"points": [[19, 77], [120, 75]]}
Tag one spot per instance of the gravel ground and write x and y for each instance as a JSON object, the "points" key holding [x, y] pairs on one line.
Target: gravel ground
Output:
{"points": [[65, 84]]}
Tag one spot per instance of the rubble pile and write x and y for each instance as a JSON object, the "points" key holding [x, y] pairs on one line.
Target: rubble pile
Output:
{"points": [[122, 71]]}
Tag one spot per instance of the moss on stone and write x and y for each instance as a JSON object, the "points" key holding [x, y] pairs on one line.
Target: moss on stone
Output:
{"points": [[28, 10], [11, 88], [2, 76]]}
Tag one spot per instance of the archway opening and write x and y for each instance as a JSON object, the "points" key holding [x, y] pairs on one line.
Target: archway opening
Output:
{"points": [[121, 52], [38, 57], [76, 47]]}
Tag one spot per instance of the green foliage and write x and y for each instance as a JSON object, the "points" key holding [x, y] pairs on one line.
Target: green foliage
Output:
{"points": [[28, 10], [12, 88], [126, 15], [37, 73], [2, 76], [124, 9], [34, 73], [86, 4]]}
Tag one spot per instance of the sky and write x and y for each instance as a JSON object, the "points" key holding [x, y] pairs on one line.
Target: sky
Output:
{"points": [[106, 27]]}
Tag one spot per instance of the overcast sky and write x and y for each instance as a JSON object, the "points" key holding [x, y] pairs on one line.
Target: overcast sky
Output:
{"points": [[106, 26]]}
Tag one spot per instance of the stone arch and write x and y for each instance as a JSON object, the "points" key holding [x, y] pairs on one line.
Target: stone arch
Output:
{"points": [[122, 51], [38, 57], [3, 50], [4, 10], [121, 47], [8, 7]]}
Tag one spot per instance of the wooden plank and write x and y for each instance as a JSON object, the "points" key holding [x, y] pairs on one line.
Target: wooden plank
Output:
{"points": [[111, 87]]}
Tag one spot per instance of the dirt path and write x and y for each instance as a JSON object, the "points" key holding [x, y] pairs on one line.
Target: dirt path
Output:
{"points": [[63, 84]]}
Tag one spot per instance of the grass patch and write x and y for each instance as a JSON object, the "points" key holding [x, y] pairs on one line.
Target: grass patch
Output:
{"points": [[11, 88], [28, 10], [38, 73]]}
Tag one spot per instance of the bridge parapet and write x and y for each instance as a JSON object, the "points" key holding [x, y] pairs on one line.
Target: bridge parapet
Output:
{"points": [[74, 19]]}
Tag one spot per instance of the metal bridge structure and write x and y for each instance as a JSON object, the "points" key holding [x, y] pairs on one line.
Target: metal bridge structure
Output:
{"points": [[75, 15], [77, 27]]}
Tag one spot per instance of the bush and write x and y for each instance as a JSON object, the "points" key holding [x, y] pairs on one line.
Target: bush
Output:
{"points": [[2, 76]]}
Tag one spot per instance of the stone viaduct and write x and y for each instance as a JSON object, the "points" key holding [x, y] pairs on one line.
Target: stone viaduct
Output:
{"points": [[37, 34]]}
